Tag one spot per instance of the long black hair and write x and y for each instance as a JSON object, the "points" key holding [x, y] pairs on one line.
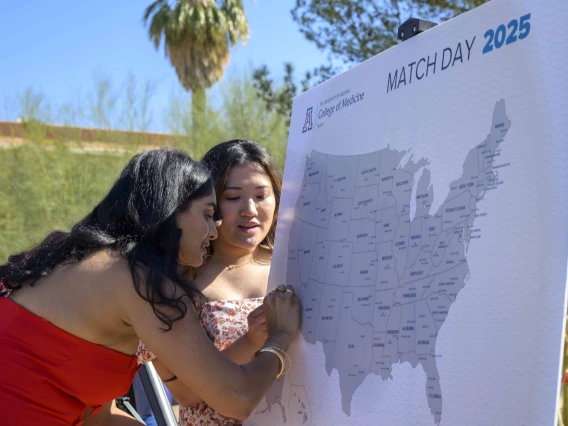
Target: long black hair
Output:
{"points": [[136, 219], [238, 152]]}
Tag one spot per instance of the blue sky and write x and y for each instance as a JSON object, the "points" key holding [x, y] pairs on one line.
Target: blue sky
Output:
{"points": [[57, 47]]}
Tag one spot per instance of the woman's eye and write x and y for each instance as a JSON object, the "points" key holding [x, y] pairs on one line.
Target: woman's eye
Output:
{"points": [[232, 198], [262, 197]]}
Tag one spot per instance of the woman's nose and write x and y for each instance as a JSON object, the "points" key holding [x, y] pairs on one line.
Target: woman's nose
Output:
{"points": [[249, 209], [213, 234]]}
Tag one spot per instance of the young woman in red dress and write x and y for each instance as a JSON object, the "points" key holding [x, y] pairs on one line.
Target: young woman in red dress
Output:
{"points": [[78, 304]]}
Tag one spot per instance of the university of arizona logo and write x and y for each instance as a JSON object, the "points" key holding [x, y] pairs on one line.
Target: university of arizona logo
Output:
{"points": [[308, 122]]}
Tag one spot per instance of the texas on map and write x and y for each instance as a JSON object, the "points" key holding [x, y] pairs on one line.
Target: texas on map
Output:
{"points": [[378, 276]]}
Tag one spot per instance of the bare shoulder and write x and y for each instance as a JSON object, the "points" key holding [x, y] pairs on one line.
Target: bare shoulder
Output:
{"points": [[264, 256], [110, 266], [132, 288], [109, 274], [104, 260]]}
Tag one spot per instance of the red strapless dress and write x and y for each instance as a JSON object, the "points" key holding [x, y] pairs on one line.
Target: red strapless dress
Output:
{"points": [[49, 377]]}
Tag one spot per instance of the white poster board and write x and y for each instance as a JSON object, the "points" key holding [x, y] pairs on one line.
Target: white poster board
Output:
{"points": [[424, 221]]}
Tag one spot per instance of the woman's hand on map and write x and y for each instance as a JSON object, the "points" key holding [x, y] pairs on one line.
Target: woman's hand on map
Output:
{"points": [[283, 314], [257, 328]]}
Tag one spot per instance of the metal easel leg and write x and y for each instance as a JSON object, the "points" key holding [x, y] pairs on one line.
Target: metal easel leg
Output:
{"points": [[157, 396]]}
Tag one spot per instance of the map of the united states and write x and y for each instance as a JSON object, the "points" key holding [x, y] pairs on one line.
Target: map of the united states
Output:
{"points": [[379, 271]]}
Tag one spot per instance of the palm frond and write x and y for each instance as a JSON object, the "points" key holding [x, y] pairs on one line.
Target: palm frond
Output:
{"points": [[150, 9], [198, 35], [159, 25]]}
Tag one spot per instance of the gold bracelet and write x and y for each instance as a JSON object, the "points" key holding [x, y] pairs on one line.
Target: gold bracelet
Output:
{"points": [[276, 353], [283, 353]]}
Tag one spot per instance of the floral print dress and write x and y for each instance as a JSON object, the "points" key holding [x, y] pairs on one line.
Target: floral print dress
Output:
{"points": [[226, 320]]}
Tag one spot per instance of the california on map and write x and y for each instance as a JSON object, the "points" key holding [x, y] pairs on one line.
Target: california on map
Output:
{"points": [[378, 270]]}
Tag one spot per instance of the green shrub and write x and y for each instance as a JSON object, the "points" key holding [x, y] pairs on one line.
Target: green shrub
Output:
{"points": [[51, 184]]}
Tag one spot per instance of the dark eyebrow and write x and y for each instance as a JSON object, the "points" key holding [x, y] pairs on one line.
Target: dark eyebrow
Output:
{"points": [[238, 187]]}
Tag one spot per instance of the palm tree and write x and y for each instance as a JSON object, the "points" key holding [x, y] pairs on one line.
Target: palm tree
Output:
{"points": [[197, 37]]}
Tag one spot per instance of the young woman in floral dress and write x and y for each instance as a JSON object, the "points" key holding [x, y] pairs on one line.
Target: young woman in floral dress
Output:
{"points": [[235, 275]]}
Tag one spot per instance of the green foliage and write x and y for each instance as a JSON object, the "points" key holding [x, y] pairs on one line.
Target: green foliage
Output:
{"points": [[353, 31], [349, 31], [51, 184], [47, 189], [105, 106], [277, 99], [237, 113]]}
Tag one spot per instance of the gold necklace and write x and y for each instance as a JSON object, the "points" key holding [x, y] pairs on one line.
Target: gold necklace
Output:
{"points": [[231, 267]]}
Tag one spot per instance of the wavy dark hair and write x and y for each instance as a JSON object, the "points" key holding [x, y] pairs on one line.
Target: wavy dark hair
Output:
{"points": [[136, 219], [238, 152]]}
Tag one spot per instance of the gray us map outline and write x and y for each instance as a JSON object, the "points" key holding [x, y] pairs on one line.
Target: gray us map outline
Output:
{"points": [[376, 285]]}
